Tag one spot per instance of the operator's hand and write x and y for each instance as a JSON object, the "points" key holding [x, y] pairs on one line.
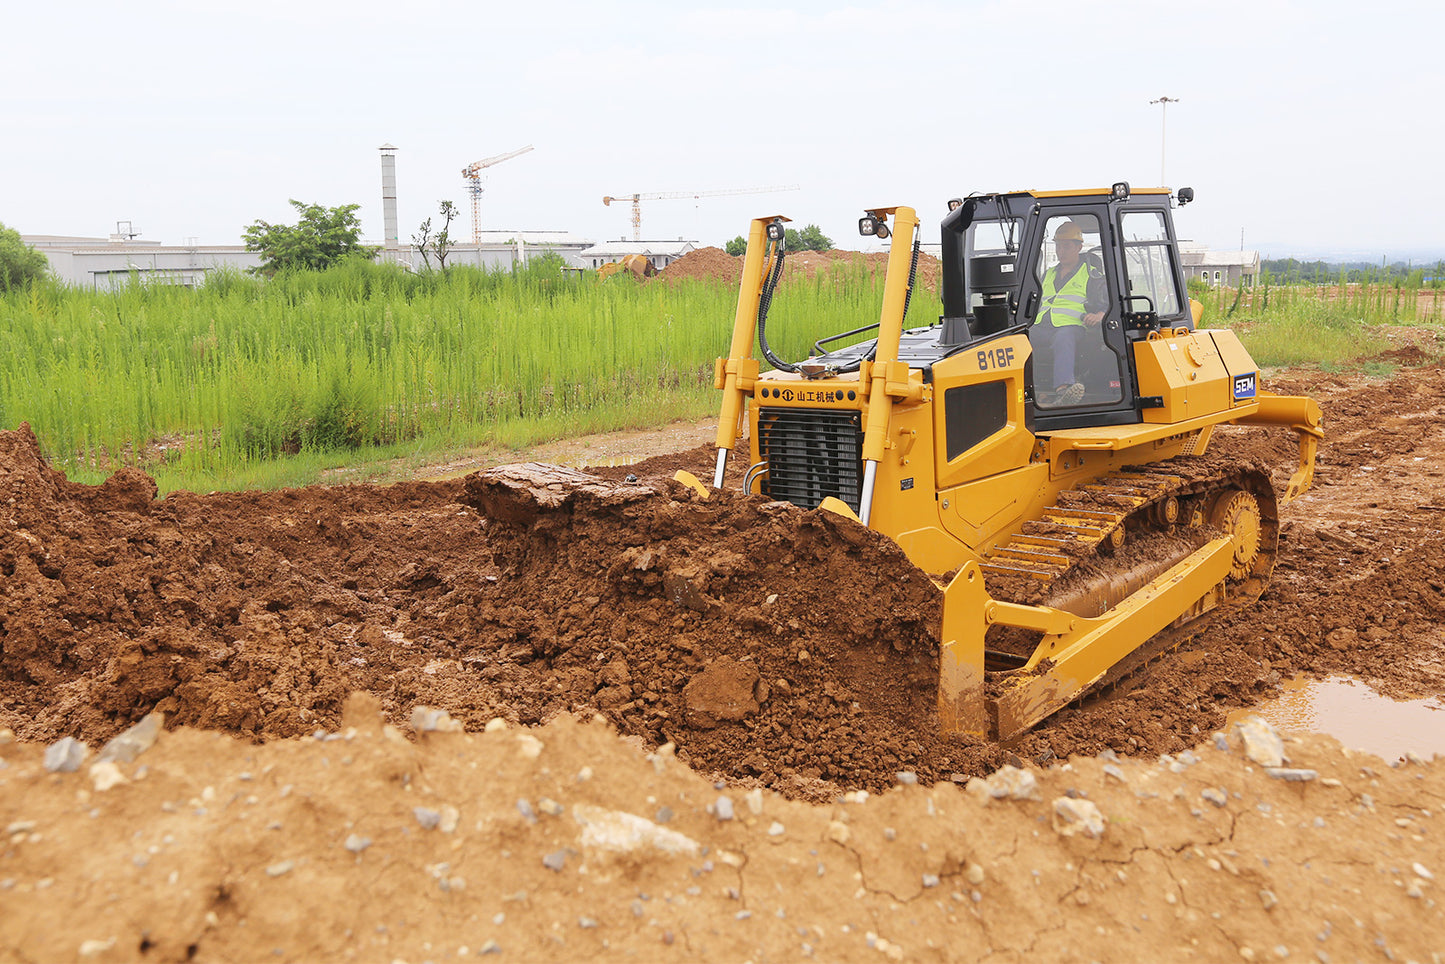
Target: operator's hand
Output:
{"points": [[1093, 317]]}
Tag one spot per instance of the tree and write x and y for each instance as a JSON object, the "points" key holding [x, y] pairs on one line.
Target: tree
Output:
{"points": [[441, 245], [422, 240], [737, 246], [810, 238], [322, 237], [20, 264]]}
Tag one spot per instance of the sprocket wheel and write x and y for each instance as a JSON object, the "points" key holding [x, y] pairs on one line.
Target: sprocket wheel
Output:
{"points": [[1237, 513]]}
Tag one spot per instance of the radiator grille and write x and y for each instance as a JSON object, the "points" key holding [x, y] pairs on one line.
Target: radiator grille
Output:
{"points": [[812, 454]]}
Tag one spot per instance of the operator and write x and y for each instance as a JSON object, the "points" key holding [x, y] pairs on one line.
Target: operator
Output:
{"points": [[1074, 296]]}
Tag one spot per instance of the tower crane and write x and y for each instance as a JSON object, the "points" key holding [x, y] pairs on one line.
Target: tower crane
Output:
{"points": [[637, 200], [473, 173]]}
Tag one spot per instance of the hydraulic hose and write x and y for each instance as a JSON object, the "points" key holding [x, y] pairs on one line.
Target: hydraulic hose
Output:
{"points": [[765, 302]]}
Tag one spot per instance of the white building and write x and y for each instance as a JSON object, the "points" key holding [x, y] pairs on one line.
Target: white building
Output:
{"points": [[106, 263], [1219, 268]]}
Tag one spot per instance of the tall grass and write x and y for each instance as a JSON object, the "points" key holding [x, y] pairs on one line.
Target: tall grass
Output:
{"points": [[1328, 326], [203, 387]]}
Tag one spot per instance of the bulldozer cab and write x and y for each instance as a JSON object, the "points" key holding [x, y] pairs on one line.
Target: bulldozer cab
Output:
{"points": [[1082, 305]]}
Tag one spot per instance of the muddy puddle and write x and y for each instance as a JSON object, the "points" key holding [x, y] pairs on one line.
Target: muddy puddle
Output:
{"points": [[1360, 718]]}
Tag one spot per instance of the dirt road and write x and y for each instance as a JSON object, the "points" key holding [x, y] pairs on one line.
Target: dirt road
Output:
{"points": [[774, 657]]}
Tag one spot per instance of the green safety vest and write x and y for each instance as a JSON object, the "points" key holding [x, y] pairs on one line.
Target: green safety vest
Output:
{"points": [[1065, 306]]}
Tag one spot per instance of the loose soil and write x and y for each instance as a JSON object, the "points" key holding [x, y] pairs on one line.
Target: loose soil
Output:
{"points": [[640, 654], [716, 265]]}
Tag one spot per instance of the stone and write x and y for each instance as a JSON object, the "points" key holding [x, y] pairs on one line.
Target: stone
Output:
{"points": [[1215, 796], [125, 747], [426, 719], [1262, 742], [356, 843], [615, 831], [723, 808], [65, 755], [106, 775], [1008, 782], [1291, 774], [1077, 818], [428, 818]]}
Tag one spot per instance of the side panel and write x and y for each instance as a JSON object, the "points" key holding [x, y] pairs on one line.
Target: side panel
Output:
{"points": [[1010, 444], [1185, 369]]}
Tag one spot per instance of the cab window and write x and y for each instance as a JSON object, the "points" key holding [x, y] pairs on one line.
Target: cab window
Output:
{"points": [[1147, 262]]}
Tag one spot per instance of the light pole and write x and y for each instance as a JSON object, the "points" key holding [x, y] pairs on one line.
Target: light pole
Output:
{"points": [[1163, 103]]}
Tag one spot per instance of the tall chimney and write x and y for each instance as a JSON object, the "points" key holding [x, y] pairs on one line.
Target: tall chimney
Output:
{"points": [[391, 241]]}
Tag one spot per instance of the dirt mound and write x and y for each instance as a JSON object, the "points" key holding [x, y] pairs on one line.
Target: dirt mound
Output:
{"points": [[715, 264], [705, 264], [256, 613]]}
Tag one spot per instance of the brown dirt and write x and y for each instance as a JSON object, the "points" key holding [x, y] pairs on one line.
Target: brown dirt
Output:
{"points": [[715, 264], [254, 615]]}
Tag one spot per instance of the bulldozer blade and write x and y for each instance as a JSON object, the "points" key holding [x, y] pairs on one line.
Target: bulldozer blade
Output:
{"points": [[1065, 666], [1075, 652]]}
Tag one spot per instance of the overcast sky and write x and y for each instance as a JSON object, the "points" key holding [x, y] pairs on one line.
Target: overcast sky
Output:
{"points": [[1307, 128]]}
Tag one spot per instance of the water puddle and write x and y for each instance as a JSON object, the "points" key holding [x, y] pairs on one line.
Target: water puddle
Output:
{"points": [[1357, 716]]}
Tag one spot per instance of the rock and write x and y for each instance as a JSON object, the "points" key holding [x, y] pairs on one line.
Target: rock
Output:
{"points": [[906, 777], [618, 832], [723, 808], [425, 719], [1077, 817], [1420, 871], [1291, 775], [1008, 782], [721, 693], [280, 869], [106, 775], [428, 818], [1262, 742], [555, 861], [65, 755], [1215, 796], [356, 844], [126, 746]]}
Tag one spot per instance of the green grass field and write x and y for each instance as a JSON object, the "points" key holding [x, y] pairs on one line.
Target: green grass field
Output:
{"points": [[250, 383], [247, 383]]}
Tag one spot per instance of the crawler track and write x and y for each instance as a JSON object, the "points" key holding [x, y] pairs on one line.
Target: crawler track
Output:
{"points": [[1105, 538]]}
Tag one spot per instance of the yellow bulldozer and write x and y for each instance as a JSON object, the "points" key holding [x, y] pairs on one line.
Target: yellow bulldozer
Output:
{"points": [[1042, 449]]}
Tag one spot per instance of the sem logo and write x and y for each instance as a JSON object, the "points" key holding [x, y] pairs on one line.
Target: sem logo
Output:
{"points": [[1244, 385]]}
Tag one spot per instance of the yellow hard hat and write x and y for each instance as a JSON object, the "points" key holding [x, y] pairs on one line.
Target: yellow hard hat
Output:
{"points": [[1069, 231]]}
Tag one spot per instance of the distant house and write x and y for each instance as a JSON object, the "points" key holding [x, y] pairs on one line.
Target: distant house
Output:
{"points": [[108, 263], [1222, 268], [115, 261], [660, 253]]}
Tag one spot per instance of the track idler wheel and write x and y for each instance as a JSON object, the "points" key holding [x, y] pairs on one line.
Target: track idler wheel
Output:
{"points": [[1237, 513]]}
